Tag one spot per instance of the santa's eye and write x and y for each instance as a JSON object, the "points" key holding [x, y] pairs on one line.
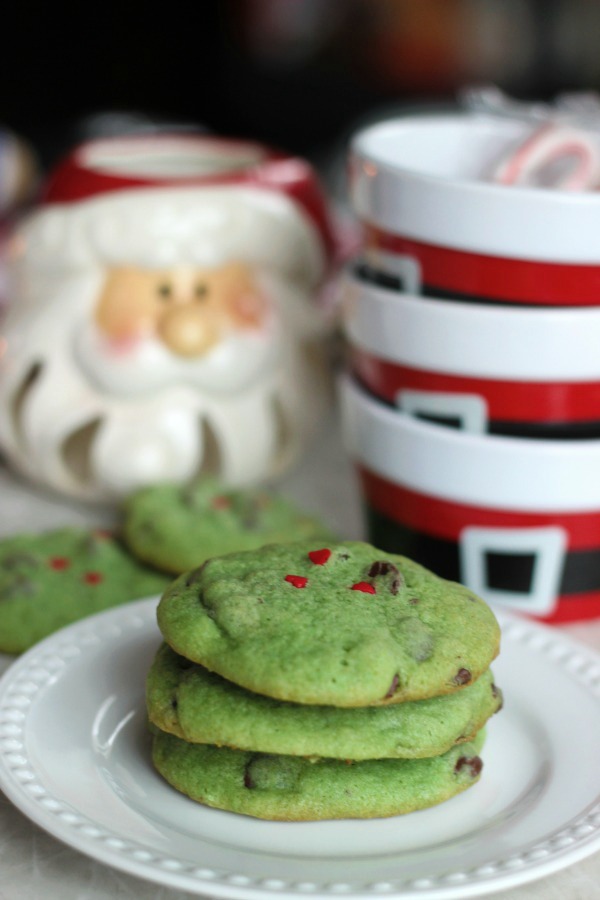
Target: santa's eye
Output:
{"points": [[164, 290], [201, 291]]}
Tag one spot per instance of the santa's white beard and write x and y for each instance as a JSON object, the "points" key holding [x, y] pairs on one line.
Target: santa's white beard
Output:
{"points": [[88, 444], [145, 364]]}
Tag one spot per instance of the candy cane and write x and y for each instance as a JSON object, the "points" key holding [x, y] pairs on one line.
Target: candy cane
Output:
{"points": [[547, 145]]}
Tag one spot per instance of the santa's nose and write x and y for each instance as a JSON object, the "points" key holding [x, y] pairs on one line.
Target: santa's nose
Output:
{"points": [[187, 331]]}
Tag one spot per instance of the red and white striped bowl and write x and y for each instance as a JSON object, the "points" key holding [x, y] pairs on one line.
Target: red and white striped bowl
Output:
{"points": [[516, 520], [433, 218], [502, 370]]}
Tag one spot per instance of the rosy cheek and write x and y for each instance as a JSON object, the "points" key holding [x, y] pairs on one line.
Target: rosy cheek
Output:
{"points": [[249, 309], [122, 345], [126, 326]]}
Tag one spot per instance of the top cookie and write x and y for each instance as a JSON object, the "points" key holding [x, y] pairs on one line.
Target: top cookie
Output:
{"points": [[50, 579], [344, 625], [176, 528]]}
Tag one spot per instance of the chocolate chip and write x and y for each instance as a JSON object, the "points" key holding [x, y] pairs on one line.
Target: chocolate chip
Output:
{"points": [[497, 694], [147, 528], [189, 495], [250, 521], [18, 559], [463, 676], [194, 576], [393, 687], [209, 612], [414, 601], [473, 763], [250, 512], [18, 588], [415, 636], [382, 567], [91, 544], [273, 773], [174, 703]]}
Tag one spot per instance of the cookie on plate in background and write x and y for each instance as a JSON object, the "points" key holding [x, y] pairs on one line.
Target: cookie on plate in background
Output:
{"points": [[176, 528], [51, 579]]}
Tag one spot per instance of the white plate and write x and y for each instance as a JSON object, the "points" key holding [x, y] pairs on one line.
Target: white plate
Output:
{"points": [[74, 757]]}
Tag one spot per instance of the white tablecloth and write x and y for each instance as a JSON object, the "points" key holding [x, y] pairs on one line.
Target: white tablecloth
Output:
{"points": [[34, 865]]}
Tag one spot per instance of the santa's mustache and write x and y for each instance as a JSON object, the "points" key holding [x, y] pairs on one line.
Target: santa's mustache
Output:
{"points": [[143, 363]]}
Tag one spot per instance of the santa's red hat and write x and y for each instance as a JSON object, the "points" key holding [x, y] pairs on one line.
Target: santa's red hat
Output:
{"points": [[165, 200]]}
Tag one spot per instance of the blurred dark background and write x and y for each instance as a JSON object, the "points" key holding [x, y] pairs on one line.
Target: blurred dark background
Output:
{"points": [[299, 74]]}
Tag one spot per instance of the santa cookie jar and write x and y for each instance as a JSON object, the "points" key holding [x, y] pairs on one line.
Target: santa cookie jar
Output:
{"points": [[163, 319]]}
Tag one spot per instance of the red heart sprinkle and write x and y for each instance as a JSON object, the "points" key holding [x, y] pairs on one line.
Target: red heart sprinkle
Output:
{"points": [[93, 577], [363, 586], [299, 581], [59, 563], [220, 502], [319, 557]]}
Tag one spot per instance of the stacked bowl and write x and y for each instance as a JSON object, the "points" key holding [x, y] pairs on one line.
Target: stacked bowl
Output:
{"points": [[472, 405]]}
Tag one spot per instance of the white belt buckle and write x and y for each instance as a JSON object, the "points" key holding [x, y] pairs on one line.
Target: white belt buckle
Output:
{"points": [[546, 545], [407, 269], [469, 411]]}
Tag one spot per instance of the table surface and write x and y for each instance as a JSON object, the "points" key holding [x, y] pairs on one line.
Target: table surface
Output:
{"points": [[35, 865]]}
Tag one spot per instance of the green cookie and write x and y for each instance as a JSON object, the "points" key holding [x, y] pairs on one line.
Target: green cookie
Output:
{"points": [[51, 579], [347, 625], [176, 528], [194, 704], [294, 789]]}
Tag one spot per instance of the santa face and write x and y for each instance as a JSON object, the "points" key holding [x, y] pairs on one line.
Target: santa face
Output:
{"points": [[62, 427], [141, 349], [214, 328]]}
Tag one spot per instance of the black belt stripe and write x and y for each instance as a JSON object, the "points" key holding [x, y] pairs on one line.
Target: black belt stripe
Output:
{"points": [[572, 431], [395, 283], [580, 574]]}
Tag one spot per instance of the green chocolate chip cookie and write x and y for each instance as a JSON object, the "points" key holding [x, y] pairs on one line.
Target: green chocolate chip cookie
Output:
{"points": [[343, 625], [293, 789], [176, 528], [51, 579], [194, 704]]}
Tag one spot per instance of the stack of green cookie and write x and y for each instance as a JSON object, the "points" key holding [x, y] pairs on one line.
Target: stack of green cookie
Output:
{"points": [[302, 682]]}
